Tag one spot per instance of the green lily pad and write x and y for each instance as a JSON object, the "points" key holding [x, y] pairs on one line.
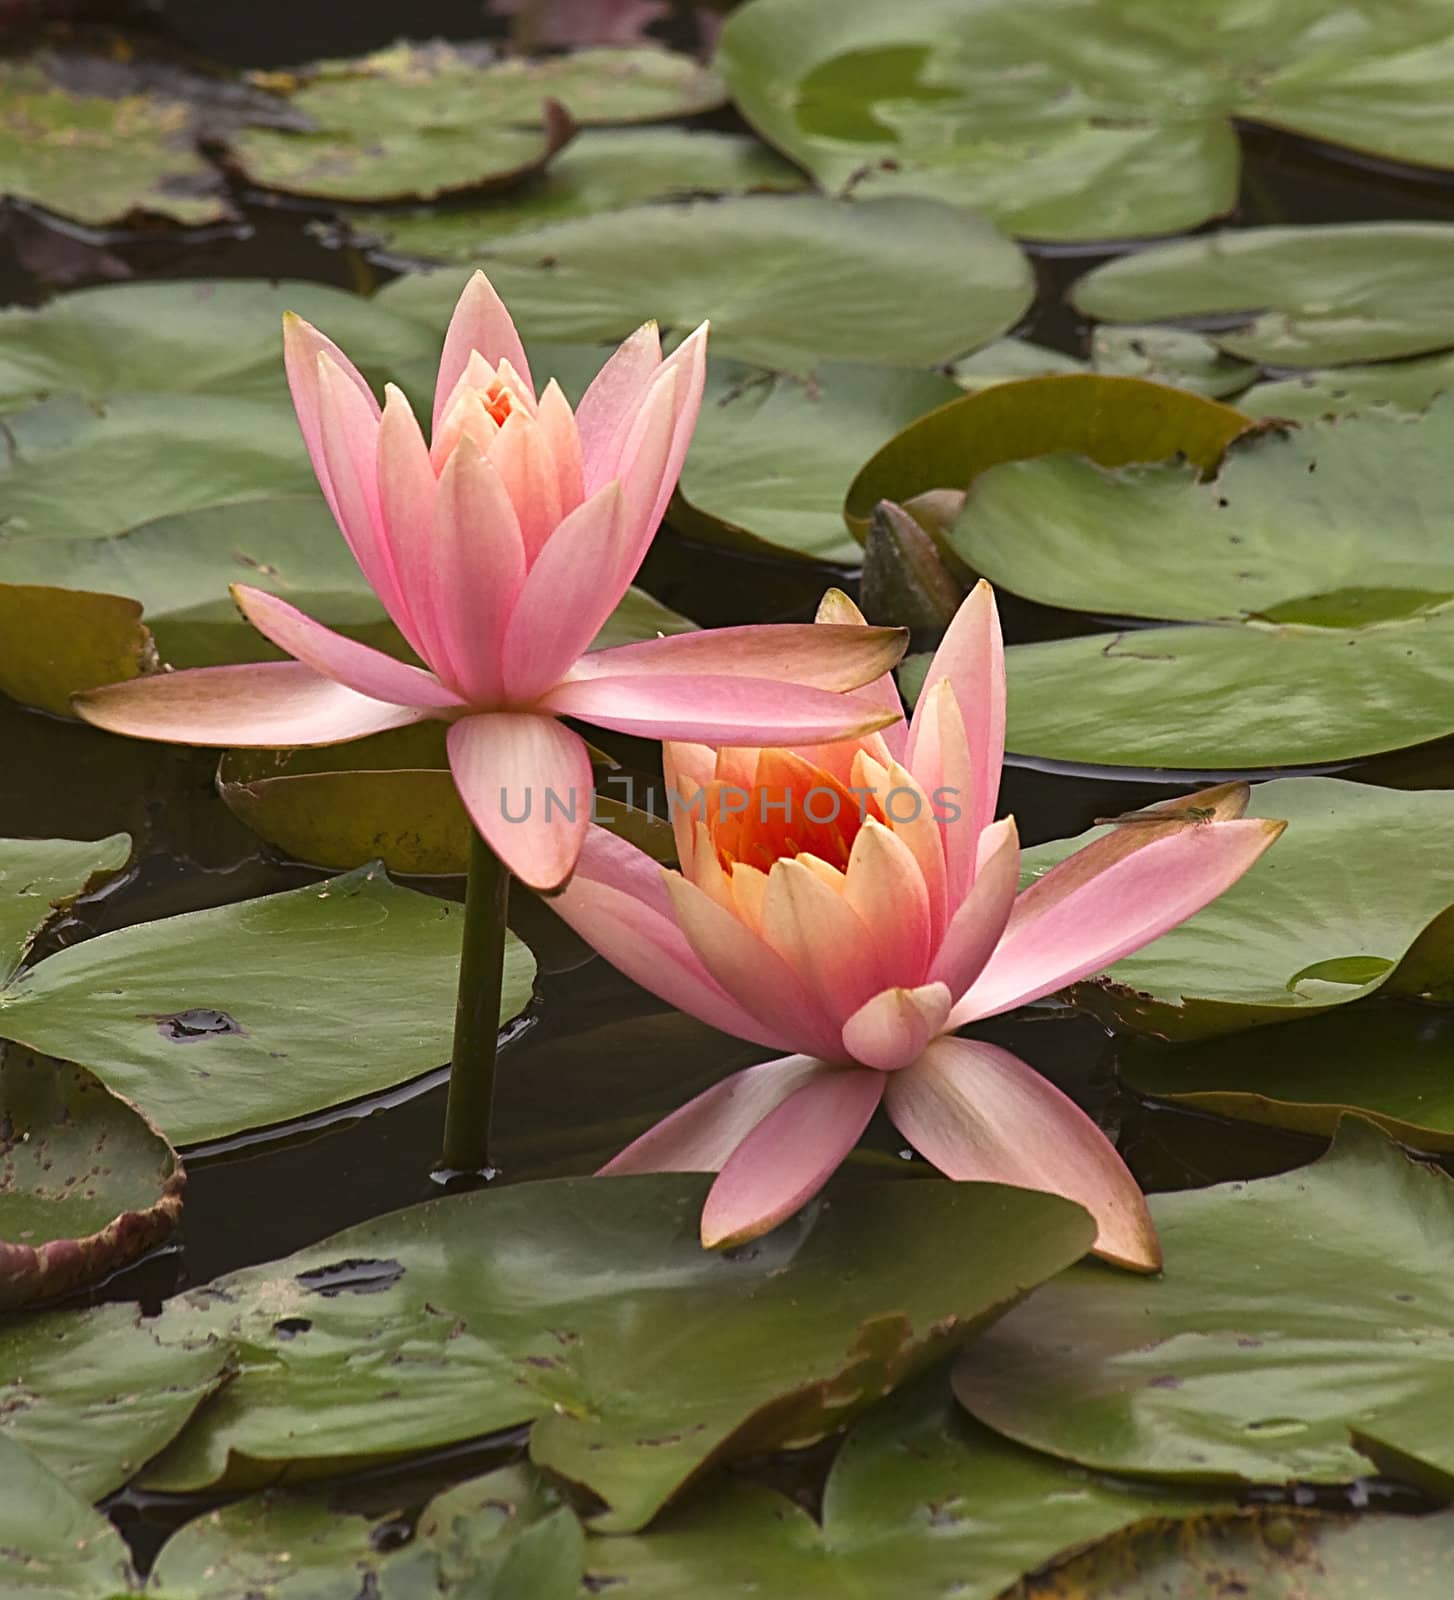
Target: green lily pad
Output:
{"points": [[920, 1503], [39, 877], [1007, 359], [1302, 297], [1328, 915], [1242, 695], [1393, 1064], [1112, 420], [1393, 385], [1351, 512], [1293, 1310], [87, 1183], [773, 454], [53, 1545], [95, 1394], [259, 1012], [210, 336], [420, 121], [570, 1301], [600, 170], [1170, 355], [103, 158], [788, 281]]}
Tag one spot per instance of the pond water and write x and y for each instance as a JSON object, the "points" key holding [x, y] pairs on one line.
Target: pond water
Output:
{"points": [[593, 1059]]}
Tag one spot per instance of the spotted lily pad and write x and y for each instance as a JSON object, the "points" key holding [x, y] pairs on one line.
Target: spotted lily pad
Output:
{"points": [[419, 121], [1384, 385], [570, 1301], [1292, 297], [1353, 889], [1294, 1311], [87, 1183], [601, 169], [787, 280], [53, 1545], [255, 1013]]}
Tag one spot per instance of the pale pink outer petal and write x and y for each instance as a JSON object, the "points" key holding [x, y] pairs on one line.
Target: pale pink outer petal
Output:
{"points": [[689, 360], [618, 903], [302, 345], [943, 765], [357, 666], [822, 938], [480, 322], [790, 1155], [895, 1027], [501, 761], [979, 921], [407, 486], [558, 428], [645, 459], [972, 657], [263, 705], [603, 418], [350, 428], [753, 973], [567, 594], [713, 709], [475, 577], [835, 608], [887, 890], [823, 658], [1135, 900], [980, 1114], [702, 1134]]}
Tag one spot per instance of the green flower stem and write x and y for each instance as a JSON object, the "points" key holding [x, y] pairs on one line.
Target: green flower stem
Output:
{"points": [[477, 1014]]}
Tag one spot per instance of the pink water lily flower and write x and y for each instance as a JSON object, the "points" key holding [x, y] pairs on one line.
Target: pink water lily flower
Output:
{"points": [[500, 548], [855, 904]]}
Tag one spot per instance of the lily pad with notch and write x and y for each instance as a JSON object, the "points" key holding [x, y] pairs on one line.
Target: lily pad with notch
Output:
{"points": [[566, 1301], [53, 1544]]}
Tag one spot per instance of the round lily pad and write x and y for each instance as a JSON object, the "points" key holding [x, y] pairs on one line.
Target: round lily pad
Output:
{"points": [[1331, 522], [103, 144], [1329, 915], [1293, 1310], [602, 169], [1112, 420], [1007, 359], [1391, 1063], [1393, 385], [419, 121], [254, 1013], [772, 454], [87, 1183], [1292, 297], [569, 1302], [1239, 696], [787, 281]]}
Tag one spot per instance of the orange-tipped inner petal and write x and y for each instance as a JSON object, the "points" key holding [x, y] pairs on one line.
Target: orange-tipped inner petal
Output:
{"points": [[791, 808]]}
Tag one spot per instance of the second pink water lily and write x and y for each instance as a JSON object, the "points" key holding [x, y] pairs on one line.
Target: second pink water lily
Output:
{"points": [[855, 904], [499, 548]]}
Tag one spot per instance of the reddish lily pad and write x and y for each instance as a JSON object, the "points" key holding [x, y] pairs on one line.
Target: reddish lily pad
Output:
{"points": [[87, 1183]]}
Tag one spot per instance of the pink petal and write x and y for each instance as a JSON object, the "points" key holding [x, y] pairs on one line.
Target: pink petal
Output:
{"points": [[645, 461], [474, 577], [714, 709], [752, 972], [789, 1156], [568, 593], [835, 609], [972, 657], [910, 814], [822, 938], [603, 418], [887, 890], [480, 322], [979, 921], [558, 428], [350, 426], [895, 1027], [357, 666], [1108, 915], [690, 360], [822, 658], [522, 458], [943, 765], [526, 783], [266, 705], [701, 1136], [302, 345], [406, 485], [979, 1113]]}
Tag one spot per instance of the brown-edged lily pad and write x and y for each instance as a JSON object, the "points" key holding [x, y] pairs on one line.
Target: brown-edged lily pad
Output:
{"points": [[87, 1183]]}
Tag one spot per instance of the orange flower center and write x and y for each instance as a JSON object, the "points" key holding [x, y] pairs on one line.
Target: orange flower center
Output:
{"points": [[791, 808], [497, 401]]}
